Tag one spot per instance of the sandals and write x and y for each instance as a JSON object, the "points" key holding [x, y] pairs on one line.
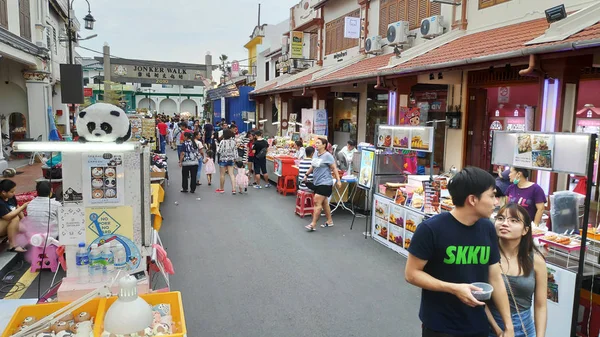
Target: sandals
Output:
{"points": [[184, 191], [17, 249], [327, 225], [233, 192], [310, 228]]}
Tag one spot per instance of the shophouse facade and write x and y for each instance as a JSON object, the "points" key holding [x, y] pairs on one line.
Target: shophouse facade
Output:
{"points": [[30, 53], [491, 63]]}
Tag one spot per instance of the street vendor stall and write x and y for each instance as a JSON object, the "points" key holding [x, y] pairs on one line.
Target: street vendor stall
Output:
{"points": [[574, 249]]}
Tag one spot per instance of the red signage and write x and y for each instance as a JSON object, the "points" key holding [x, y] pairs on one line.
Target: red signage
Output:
{"points": [[87, 92]]}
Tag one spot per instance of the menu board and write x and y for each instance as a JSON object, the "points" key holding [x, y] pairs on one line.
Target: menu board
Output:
{"points": [[367, 160], [534, 151], [385, 136]]}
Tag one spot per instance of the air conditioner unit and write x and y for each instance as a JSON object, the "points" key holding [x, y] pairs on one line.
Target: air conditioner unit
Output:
{"points": [[373, 45], [397, 33], [432, 26]]}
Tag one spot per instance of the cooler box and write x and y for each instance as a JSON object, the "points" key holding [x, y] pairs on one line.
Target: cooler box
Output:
{"points": [[283, 166]]}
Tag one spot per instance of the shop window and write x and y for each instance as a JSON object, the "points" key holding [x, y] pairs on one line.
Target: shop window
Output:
{"points": [[277, 72], [3, 14], [334, 34], [489, 3], [25, 19], [55, 40], [412, 11]]}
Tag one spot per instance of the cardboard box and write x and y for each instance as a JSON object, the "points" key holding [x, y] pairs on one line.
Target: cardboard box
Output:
{"points": [[161, 174]]}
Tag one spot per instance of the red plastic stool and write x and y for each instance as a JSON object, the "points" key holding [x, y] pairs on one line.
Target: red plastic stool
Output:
{"points": [[286, 185], [50, 259], [304, 203]]}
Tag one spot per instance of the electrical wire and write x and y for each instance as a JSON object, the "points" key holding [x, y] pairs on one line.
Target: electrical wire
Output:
{"points": [[98, 52], [6, 287]]}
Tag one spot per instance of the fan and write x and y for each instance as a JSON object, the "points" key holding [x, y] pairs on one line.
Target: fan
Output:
{"points": [[391, 33], [368, 45], [425, 27], [342, 161]]}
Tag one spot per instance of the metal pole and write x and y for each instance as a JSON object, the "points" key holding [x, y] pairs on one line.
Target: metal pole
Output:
{"points": [[70, 31], [584, 225]]}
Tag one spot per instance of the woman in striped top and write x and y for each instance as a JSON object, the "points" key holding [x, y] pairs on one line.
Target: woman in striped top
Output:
{"points": [[303, 167]]}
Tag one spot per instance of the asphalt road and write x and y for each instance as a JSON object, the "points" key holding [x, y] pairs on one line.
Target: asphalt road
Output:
{"points": [[246, 266]]}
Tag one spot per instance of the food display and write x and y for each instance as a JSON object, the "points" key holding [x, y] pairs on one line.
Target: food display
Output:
{"points": [[420, 138], [560, 241], [401, 137], [385, 137]]}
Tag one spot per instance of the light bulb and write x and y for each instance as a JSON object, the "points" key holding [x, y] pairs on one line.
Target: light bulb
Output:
{"points": [[129, 313]]}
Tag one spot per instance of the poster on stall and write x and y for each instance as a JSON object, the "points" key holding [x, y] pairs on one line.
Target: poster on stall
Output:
{"points": [[421, 138], [413, 219], [385, 136], [320, 124], [561, 293], [307, 118], [103, 183], [71, 225], [365, 176], [379, 230], [148, 128], [534, 151], [136, 128], [382, 208], [114, 226]]}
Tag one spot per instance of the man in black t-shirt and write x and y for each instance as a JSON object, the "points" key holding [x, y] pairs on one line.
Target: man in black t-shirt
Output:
{"points": [[452, 250], [259, 148]]}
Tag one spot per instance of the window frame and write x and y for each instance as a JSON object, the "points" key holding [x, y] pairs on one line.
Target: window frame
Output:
{"points": [[405, 10], [4, 14], [483, 4], [25, 25]]}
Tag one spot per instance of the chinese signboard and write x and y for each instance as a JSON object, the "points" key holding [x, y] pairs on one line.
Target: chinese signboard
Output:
{"points": [[140, 71]]}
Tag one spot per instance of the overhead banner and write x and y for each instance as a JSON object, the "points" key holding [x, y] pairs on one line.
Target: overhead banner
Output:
{"points": [[297, 45]]}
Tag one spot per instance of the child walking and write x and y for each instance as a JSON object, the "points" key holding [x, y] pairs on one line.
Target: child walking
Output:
{"points": [[209, 166], [241, 179]]}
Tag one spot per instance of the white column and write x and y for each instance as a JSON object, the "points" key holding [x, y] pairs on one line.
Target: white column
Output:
{"points": [[37, 101]]}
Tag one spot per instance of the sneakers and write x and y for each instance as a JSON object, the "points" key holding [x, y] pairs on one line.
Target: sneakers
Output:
{"points": [[245, 189], [267, 185], [257, 187], [218, 190]]}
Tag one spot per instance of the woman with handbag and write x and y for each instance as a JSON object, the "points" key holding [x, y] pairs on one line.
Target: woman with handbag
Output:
{"points": [[524, 273], [188, 161]]}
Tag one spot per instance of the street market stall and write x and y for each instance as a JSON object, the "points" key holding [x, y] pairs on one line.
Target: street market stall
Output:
{"points": [[574, 249]]}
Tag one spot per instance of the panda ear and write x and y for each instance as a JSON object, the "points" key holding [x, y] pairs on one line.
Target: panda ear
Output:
{"points": [[82, 114], [115, 113]]}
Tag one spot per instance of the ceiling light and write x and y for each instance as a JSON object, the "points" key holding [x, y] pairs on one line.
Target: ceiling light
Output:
{"points": [[73, 147]]}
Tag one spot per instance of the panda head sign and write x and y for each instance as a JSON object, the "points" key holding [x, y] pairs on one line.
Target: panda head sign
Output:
{"points": [[103, 122]]}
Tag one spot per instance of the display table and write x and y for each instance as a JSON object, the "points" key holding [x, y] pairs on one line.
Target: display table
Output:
{"points": [[271, 171], [342, 195], [158, 196]]}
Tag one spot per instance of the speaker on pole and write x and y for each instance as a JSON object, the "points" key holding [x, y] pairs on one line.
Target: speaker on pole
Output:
{"points": [[71, 83]]}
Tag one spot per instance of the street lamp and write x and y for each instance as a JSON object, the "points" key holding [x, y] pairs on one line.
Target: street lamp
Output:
{"points": [[89, 24], [89, 20]]}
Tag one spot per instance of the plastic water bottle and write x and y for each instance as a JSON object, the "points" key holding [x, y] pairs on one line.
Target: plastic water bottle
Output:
{"points": [[120, 259], [82, 261], [108, 260], [95, 264]]}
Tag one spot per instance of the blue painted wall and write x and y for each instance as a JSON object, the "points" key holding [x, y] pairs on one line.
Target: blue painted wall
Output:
{"points": [[234, 108]]}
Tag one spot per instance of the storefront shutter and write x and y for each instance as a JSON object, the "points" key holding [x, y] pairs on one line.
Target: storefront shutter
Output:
{"points": [[314, 37], [392, 15], [328, 39], [423, 11], [24, 19], [3, 14]]}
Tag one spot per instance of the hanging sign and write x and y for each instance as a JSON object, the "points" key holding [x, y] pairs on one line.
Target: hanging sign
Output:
{"points": [[320, 126], [297, 45], [351, 27], [534, 151], [308, 120]]}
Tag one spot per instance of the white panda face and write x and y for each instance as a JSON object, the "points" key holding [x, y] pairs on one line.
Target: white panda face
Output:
{"points": [[110, 182], [103, 122]]}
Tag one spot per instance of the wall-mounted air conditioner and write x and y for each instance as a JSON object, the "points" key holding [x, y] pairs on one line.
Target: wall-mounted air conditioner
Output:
{"points": [[374, 45], [397, 33], [432, 26]]}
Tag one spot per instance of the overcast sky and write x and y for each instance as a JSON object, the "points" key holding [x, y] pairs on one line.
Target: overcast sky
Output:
{"points": [[177, 30]]}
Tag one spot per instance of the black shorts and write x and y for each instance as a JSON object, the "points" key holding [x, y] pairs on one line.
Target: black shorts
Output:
{"points": [[324, 190], [260, 165]]}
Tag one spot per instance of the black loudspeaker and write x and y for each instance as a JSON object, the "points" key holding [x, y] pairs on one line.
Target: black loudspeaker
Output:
{"points": [[71, 83]]}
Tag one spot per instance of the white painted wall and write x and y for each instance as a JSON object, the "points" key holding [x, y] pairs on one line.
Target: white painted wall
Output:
{"points": [[514, 11], [271, 42], [332, 11]]}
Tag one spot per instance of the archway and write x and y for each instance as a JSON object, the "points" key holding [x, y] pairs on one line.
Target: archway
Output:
{"points": [[146, 103], [14, 109], [189, 106], [168, 107]]}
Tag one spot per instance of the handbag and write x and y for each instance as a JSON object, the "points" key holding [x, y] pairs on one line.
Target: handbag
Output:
{"points": [[262, 153], [512, 295]]}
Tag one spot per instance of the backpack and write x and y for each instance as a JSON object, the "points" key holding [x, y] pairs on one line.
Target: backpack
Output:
{"points": [[262, 153]]}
